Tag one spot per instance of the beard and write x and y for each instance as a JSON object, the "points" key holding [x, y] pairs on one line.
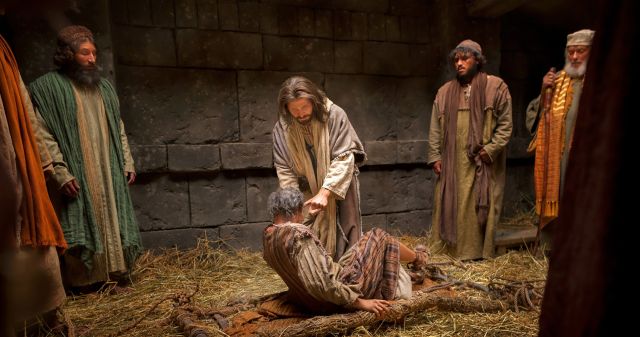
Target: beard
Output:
{"points": [[87, 76], [466, 78], [305, 121], [574, 72]]}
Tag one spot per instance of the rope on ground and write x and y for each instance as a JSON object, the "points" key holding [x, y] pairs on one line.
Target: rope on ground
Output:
{"points": [[188, 324], [421, 300], [521, 294]]}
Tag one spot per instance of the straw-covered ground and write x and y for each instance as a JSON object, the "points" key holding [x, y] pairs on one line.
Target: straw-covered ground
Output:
{"points": [[221, 275]]}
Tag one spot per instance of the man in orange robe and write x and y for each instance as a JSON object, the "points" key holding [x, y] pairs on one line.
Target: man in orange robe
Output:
{"points": [[31, 233]]}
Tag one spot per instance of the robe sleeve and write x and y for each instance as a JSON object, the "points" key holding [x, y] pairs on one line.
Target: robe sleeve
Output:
{"points": [[126, 151], [61, 174], [319, 275], [343, 138], [533, 113], [434, 142], [286, 177], [339, 175], [504, 125], [45, 158]]}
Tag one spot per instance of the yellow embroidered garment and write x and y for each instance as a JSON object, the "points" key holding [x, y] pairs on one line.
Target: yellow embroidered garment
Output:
{"points": [[549, 150]]}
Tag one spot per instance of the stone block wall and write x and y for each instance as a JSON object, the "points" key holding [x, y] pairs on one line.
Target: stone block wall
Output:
{"points": [[198, 82]]}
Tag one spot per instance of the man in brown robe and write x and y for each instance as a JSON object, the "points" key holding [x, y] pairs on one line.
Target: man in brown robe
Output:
{"points": [[365, 278], [316, 150], [553, 130], [31, 233], [470, 128]]}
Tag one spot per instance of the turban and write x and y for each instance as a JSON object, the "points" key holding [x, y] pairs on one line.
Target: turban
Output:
{"points": [[580, 38], [470, 44]]}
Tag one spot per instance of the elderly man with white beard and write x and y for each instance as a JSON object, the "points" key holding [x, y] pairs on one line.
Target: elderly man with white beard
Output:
{"points": [[551, 118]]}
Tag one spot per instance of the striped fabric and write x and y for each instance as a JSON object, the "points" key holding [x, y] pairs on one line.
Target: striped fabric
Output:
{"points": [[279, 251], [547, 172], [374, 263], [369, 269]]}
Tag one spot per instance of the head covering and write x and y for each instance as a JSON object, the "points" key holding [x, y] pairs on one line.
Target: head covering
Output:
{"points": [[580, 38], [470, 44], [71, 35]]}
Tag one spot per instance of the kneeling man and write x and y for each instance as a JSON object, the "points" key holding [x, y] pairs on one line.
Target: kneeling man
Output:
{"points": [[367, 277]]}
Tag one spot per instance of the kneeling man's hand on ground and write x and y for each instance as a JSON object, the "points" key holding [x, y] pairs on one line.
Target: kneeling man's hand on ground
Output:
{"points": [[378, 307]]}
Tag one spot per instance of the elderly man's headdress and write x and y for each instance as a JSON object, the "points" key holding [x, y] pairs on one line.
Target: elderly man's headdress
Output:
{"points": [[582, 37]]}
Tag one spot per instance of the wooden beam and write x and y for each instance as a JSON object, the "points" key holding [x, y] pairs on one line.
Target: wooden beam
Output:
{"points": [[514, 237], [492, 8]]}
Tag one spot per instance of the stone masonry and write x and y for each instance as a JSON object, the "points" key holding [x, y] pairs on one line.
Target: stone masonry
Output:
{"points": [[198, 82]]}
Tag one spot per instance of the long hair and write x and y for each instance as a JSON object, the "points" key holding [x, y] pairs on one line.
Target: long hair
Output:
{"points": [[468, 51], [301, 87]]}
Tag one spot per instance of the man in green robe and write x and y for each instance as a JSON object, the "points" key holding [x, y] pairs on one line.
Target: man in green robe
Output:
{"points": [[470, 128], [79, 122]]}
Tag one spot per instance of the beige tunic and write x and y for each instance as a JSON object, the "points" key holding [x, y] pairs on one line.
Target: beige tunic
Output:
{"points": [[337, 179], [472, 241], [94, 139], [34, 282]]}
